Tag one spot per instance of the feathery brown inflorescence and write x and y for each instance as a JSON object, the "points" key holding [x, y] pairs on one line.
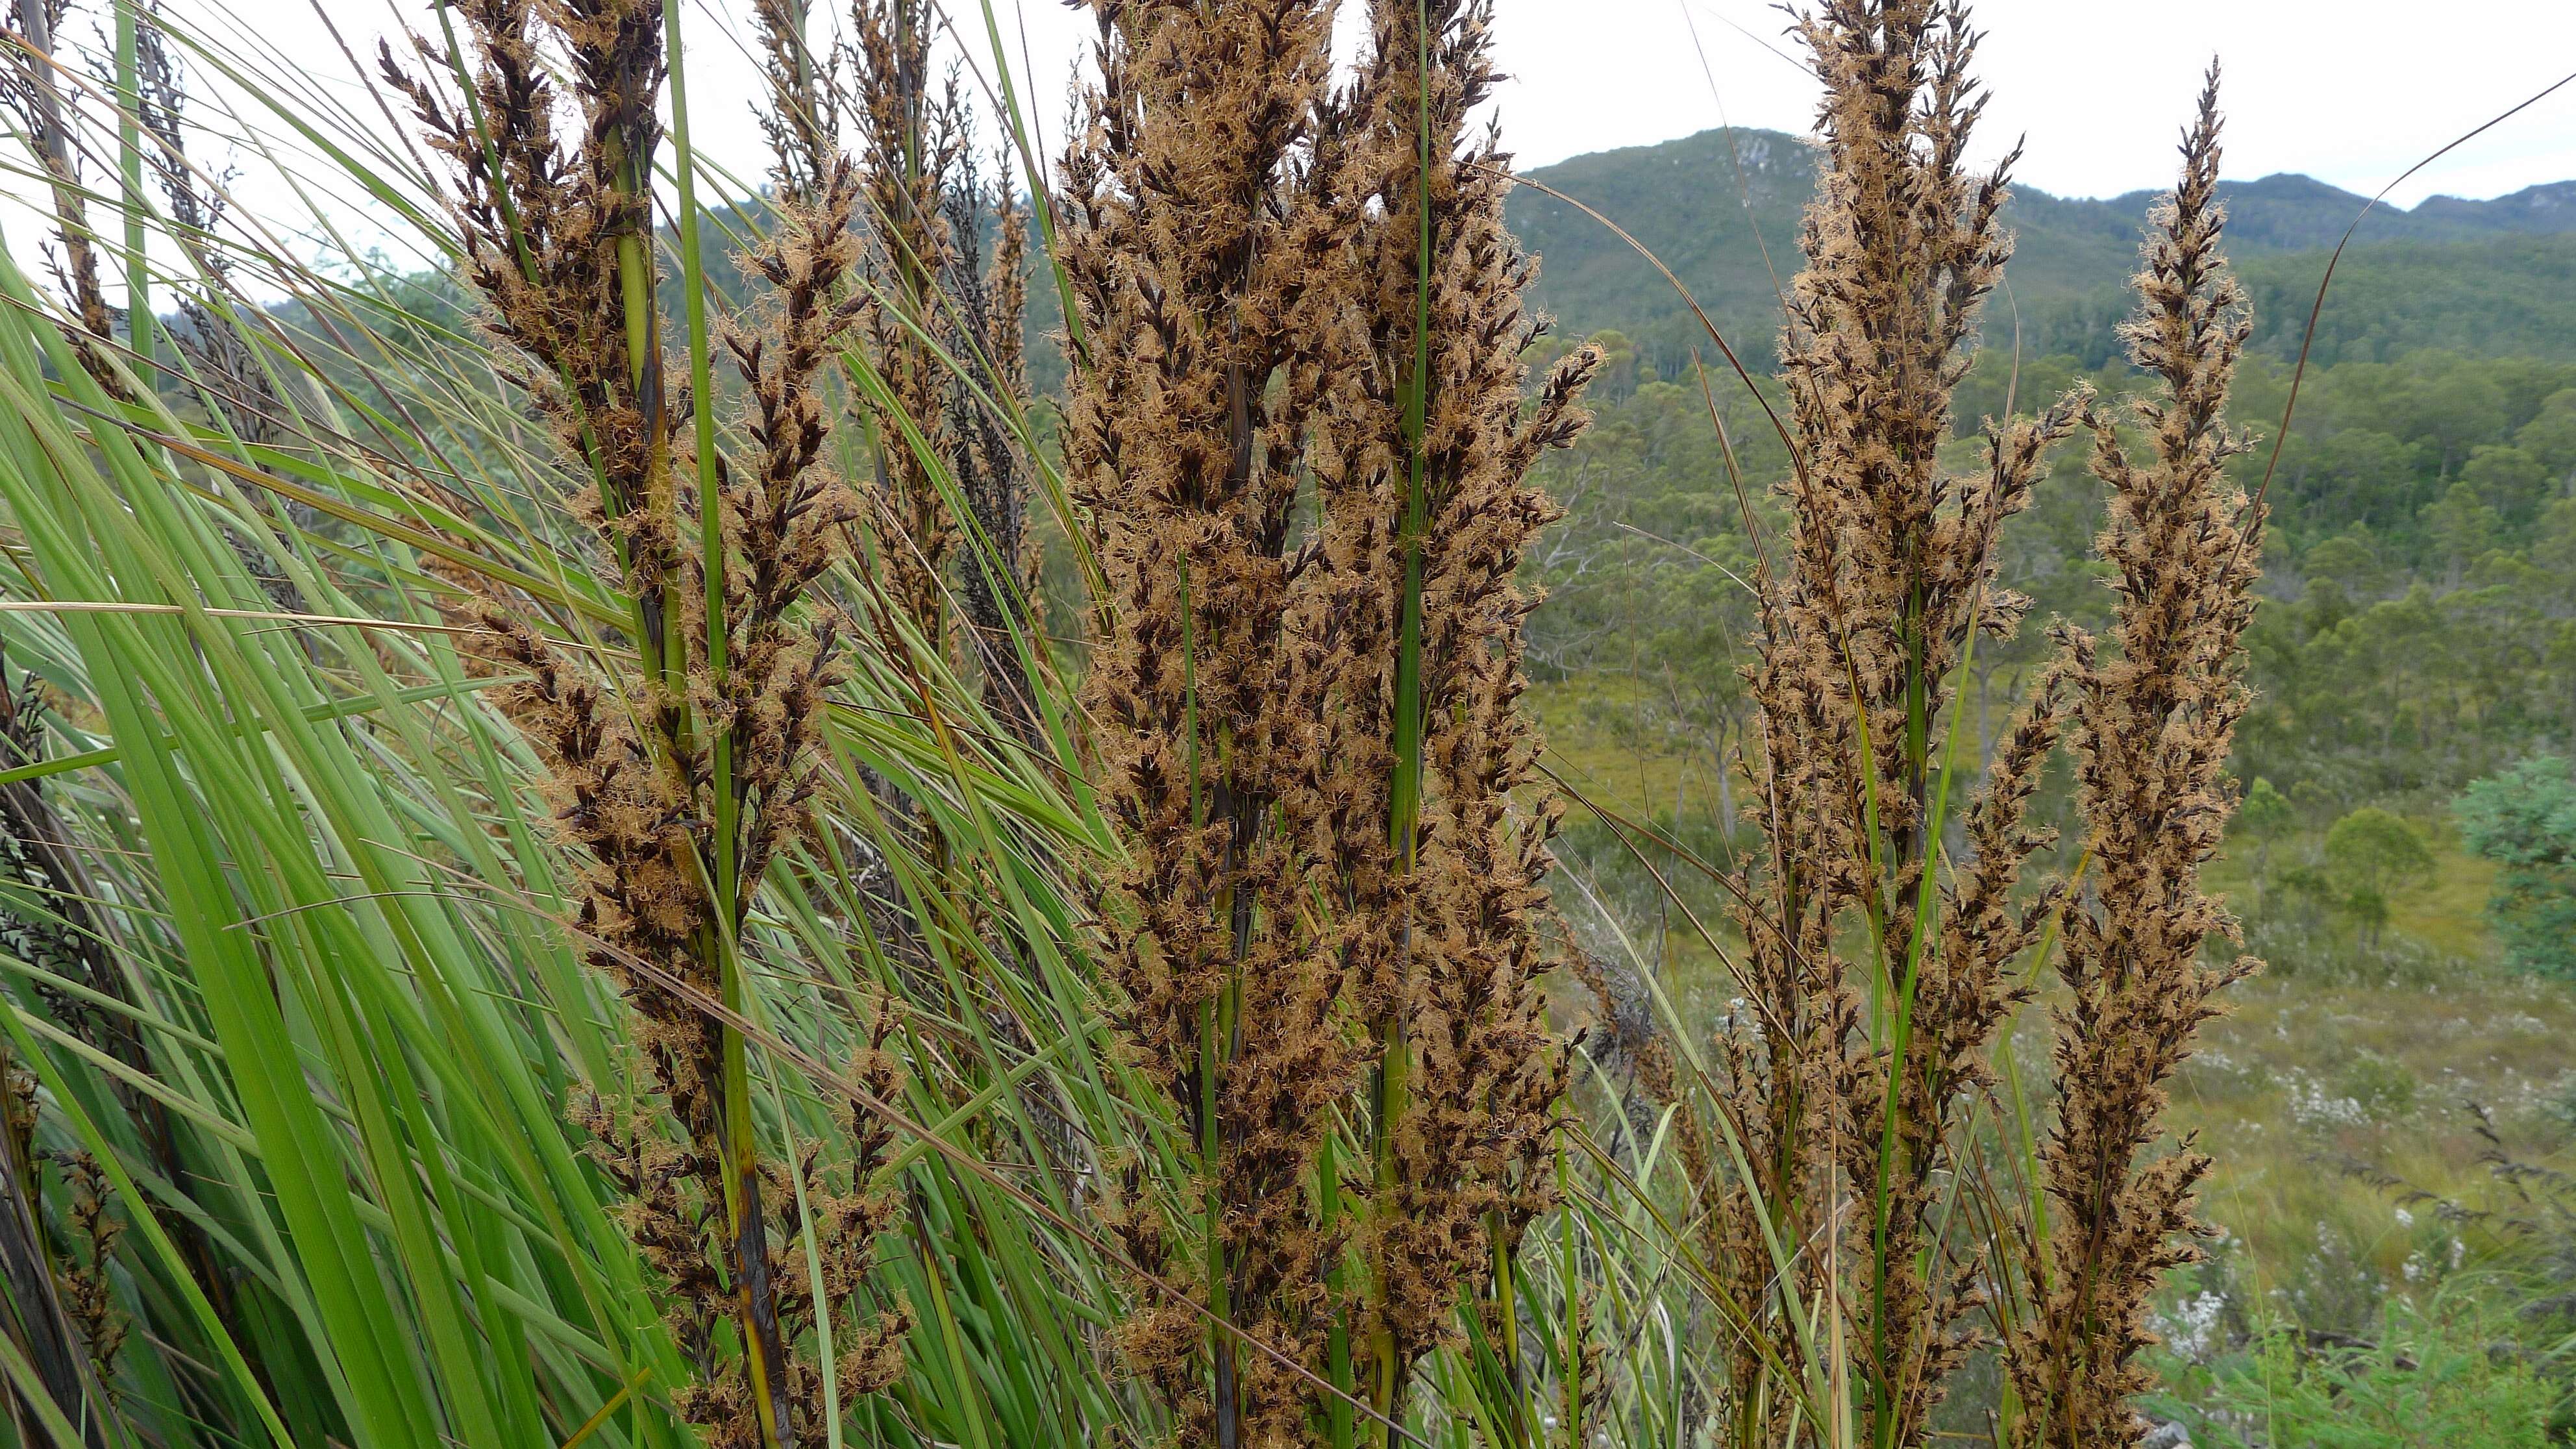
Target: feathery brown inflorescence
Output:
{"points": [[681, 776], [999, 579], [943, 331], [2150, 726], [34, 96], [1870, 987], [802, 118], [1317, 871], [1433, 837], [89, 1297], [911, 142], [1192, 230]]}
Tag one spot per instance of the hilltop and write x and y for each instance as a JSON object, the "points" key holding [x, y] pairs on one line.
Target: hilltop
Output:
{"points": [[2481, 277]]}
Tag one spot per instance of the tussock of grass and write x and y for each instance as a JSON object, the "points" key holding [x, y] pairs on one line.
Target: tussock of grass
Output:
{"points": [[553, 891]]}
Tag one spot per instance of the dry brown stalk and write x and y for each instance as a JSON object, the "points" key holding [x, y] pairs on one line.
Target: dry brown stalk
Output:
{"points": [[2151, 729], [942, 328], [1301, 891], [89, 1297], [1435, 861], [1861, 1036], [681, 778], [232, 379], [803, 116], [911, 142], [989, 302], [33, 93]]}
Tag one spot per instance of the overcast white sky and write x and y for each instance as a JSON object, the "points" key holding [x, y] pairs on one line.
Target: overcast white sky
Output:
{"points": [[2350, 91]]}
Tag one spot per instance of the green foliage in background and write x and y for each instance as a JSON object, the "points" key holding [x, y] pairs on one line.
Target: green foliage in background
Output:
{"points": [[2419, 629], [2372, 856], [2525, 821], [2437, 1378]]}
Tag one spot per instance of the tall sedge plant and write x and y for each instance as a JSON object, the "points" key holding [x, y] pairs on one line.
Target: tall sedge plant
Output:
{"points": [[1424, 806], [1831, 1134], [1870, 987], [942, 325], [682, 778], [2151, 722], [912, 142], [1193, 234], [1000, 580], [1312, 742], [1875, 986]]}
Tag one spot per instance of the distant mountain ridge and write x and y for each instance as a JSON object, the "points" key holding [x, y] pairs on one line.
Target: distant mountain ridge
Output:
{"points": [[2481, 276], [2290, 212]]}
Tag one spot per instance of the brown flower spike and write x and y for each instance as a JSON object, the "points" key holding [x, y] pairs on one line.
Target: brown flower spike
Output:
{"points": [[1320, 872], [1872, 980], [679, 760], [2151, 728]]}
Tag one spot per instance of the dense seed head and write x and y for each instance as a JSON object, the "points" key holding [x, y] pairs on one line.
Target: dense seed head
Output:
{"points": [[1444, 935], [1862, 1028], [802, 116], [1192, 233], [987, 393], [1244, 251], [912, 141], [2151, 728], [551, 200]]}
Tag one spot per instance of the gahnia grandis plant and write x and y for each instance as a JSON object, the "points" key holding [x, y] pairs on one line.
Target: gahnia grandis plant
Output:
{"points": [[1835, 1130], [682, 772], [1326, 925], [2150, 726], [555, 888]]}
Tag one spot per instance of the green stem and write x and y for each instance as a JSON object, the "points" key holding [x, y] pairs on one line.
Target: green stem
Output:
{"points": [[1573, 1288], [745, 1222], [1395, 1063], [1888, 1388], [1339, 1423], [711, 545], [1211, 1062], [1211, 1148], [1507, 1346]]}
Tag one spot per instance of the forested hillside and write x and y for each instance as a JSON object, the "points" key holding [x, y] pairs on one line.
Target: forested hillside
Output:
{"points": [[2421, 572], [1721, 208]]}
